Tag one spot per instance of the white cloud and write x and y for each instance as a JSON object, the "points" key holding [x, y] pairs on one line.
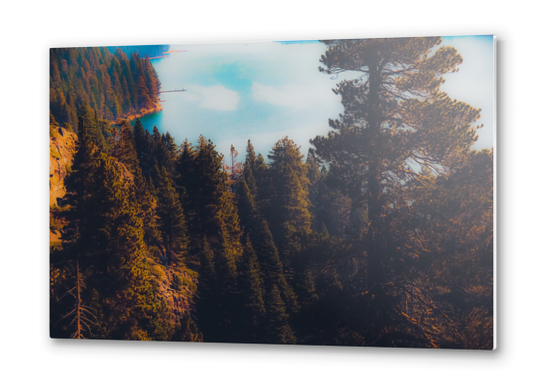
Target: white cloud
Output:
{"points": [[290, 95], [216, 97]]}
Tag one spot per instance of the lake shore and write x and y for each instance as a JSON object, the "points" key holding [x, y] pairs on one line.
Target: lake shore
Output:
{"points": [[143, 112]]}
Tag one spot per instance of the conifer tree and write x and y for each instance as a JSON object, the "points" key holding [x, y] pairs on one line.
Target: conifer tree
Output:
{"points": [[234, 166], [288, 208], [171, 219], [250, 157], [252, 293], [395, 116], [227, 316], [263, 182], [211, 208], [126, 153], [144, 101], [143, 143], [208, 293], [171, 152], [184, 178], [82, 316], [290, 201], [106, 238], [278, 330], [248, 213], [185, 160], [90, 120], [271, 265]]}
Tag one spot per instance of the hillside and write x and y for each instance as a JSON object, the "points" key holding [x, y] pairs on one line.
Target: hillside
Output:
{"points": [[62, 148]]}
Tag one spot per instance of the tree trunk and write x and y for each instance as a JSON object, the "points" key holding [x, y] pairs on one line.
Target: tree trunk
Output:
{"points": [[374, 207], [79, 329]]}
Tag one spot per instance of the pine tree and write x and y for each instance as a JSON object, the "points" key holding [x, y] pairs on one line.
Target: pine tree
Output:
{"points": [[288, 208], [171, 219], [250, 158], [290, 201], [252, 293], [144, 100], [235, 167], [211, 208], [90, 120], [271, 265], [208, 293], [125, 151], [143, 143], [184, 167], [250, 180], [171, 152], [120, 268], [248, 213], [228, 293], [263, 183], [81, 315], [395, 116], [278, 330], [105, 236]]}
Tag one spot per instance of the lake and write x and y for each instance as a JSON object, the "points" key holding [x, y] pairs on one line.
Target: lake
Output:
{"points": [[264, 91], [241, 91]]}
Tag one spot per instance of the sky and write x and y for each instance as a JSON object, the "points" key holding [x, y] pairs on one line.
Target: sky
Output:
{"points": [[264, 91]]}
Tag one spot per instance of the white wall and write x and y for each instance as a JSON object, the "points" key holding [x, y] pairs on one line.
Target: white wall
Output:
{"points": [[29, 29]]}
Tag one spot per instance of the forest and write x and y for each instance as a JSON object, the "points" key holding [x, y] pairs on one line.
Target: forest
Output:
{"points": [[113, 85], [380, 235]]}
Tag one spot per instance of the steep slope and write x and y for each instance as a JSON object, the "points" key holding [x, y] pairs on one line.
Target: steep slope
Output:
{"points": [[62, 148]]}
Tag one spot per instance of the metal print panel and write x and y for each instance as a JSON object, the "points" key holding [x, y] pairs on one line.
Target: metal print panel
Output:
{"points": [[335, 192]]}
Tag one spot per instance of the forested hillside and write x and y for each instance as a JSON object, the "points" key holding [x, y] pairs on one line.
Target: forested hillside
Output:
{"points": [[382, 235], [112, 85]]}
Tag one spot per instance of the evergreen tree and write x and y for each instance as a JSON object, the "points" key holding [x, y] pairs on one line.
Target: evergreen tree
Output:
{"points": [[250, 180], [395, 116], [125, 151], [250, 157], [252, 292], [171, 152], [235, 167], [90, 120], [208, 293], [171, 219], [228, 293], [143, 143], [278, 330], [288, 209], [248, 213], [120, 268], [106, 238], [211, 208], [271, 265], [290, 202], [144, 100], [184, 168], [263, 183]]}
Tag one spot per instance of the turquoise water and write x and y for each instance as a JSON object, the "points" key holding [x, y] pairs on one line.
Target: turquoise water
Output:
{"points": [[237, 92], [265, 91]]}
